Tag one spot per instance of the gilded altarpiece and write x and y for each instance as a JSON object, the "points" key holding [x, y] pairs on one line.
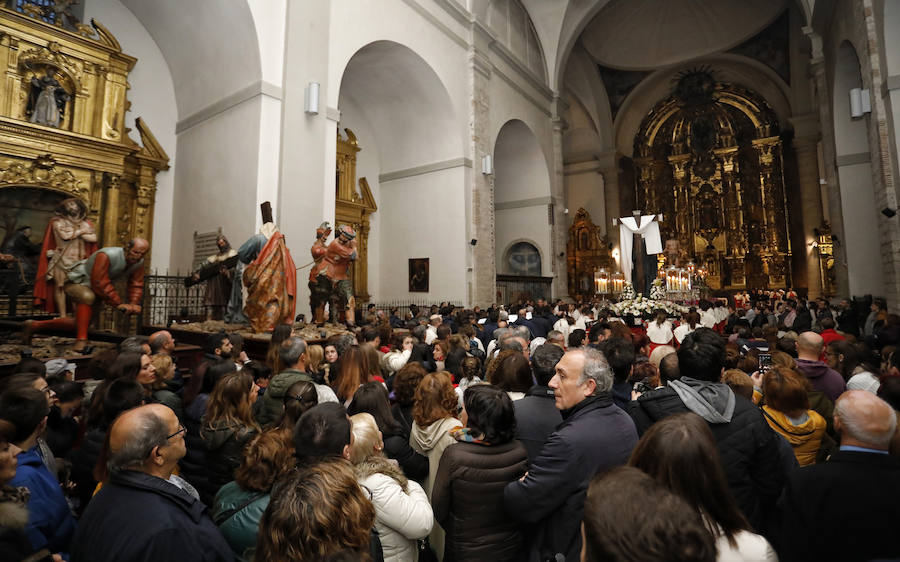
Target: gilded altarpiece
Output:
{"points": [[587, 250], [353, 207], [709, 159], [86, 153]]}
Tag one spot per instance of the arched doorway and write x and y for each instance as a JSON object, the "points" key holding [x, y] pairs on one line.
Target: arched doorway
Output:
{"points": [[709, 159], [410, 159]]}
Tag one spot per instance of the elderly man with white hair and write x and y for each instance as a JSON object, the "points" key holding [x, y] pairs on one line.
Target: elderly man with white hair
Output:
{"points": [[844, 509]]}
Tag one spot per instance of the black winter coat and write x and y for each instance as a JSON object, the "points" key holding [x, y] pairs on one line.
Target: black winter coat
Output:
{"points": [[595, 435], [747, 445], [843, 509], [224, 447], [396, 446], [193, 464], [138, 517], [84, 459], [536, 419], [467, 499]]}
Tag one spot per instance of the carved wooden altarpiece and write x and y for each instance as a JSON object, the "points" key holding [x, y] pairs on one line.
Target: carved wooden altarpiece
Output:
{"points": [[88, 154], [354, 207], [587, 250]]}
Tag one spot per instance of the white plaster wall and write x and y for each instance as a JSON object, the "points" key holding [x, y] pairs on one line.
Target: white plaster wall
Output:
{"points": [[368, 165], [269, 21], [860, 220], [152, 97], [520, 169], [219, 186], [424, 213], [586, 190], [523, 224], [508, 104], [356, 23]]}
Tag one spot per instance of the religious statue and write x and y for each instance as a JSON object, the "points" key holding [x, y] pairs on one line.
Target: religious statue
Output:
{"points": [[319, 283], [334, 266], [270, 277], [10, 280], [218, 272], [91, 282], [24, 251], [47, 100], [69, 238]]}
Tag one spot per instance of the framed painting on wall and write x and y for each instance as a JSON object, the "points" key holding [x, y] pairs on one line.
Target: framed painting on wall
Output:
{"points": [[418, 275]]}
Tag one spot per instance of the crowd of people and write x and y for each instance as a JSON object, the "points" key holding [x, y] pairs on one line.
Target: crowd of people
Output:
{"points": [[758, 429]]}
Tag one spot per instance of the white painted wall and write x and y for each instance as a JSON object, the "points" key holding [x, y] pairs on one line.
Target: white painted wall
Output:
{"points": [[860, 229], [586, 189], [368, 165], [424, 212], [523, 224], [269, 18], [218, 188], [152, 97]]}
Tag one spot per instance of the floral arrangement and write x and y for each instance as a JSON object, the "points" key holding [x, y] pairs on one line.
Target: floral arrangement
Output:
{"points": [[639, 305]]}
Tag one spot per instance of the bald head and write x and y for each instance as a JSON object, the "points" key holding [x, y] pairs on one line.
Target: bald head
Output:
{"points": [[140, 440], [809, 346], [161, 342], [864, 420]]}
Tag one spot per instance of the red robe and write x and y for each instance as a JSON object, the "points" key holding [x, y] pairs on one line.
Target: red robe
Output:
{"points": [[43, 292], [271, 282]]}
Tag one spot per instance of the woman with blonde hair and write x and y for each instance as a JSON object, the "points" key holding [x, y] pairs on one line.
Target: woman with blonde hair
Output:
{"points": [[402, 511], [239, 505], [434, 417], [226, 428], [316, 355], [318, 512], [165, 372]]}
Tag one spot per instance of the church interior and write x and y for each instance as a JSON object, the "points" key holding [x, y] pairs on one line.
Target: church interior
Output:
{"points": [[471, 141]]}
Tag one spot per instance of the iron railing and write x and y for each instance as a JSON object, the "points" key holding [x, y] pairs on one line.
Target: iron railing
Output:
{"points": [[167, 299]]}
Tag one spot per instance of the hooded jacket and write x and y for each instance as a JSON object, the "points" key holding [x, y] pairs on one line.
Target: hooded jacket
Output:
{"points": [[805, 438], [822, 377], [431, 442], [748, 447], [138, 517], [402, 511]]}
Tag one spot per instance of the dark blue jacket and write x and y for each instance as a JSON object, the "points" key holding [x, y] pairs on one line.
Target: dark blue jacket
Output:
{"points": [[50, 523], [536, 419], [136, 517], [595, 436]]}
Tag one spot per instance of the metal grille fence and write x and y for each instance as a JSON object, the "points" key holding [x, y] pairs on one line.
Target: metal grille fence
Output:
{"points": [[166, 298]]}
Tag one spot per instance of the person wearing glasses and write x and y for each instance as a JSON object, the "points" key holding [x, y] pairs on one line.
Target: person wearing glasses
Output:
{"points": [[139, 514]]}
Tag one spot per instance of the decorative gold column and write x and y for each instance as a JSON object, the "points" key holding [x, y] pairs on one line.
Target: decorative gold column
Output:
{"points": [[681, 171], [353, 208], [772, 192]]}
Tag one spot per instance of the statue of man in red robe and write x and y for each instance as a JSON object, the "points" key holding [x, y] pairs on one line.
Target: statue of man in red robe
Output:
{"points": [[319, 284], [334, 266], [69, 238]]}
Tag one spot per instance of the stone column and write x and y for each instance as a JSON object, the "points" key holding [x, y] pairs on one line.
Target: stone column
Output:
{"points": [[826, 124], [483, 280], [806, 129], [559, 228]]}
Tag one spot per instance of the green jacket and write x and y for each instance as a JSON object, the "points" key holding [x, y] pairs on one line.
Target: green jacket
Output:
{"points": [[271, 404], [241, 528]]}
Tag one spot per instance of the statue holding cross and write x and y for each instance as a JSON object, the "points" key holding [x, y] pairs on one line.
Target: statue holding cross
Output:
{"points": [[639, 242]]}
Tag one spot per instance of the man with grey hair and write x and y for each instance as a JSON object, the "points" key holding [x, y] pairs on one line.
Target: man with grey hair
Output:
{"points": [[139, 515], [842, 509], [556, 338], [271, 404], [595, 435]]}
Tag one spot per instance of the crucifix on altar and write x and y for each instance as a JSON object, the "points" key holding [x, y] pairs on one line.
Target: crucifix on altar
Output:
{"points": [[639, 242]]}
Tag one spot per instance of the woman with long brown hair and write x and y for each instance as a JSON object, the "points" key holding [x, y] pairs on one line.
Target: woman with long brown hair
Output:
{"points": [[786, 395], [318, 512], [680, 453], [434, 416], [352, 372], [226, 428], [280, 333]]}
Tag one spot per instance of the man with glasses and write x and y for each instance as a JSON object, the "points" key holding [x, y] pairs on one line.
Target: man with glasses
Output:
{"points": [[139, 514]]}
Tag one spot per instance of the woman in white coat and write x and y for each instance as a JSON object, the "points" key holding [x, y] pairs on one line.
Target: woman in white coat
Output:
{"points": [[402, 511]]}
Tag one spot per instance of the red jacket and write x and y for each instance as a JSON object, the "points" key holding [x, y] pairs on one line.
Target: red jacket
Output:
{"points": [[103, 287]]}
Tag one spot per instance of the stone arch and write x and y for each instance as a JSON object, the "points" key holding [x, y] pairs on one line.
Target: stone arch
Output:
{"points": [[512, 24], [854, 172], [412, 158], [505, 267], [521, 191]]}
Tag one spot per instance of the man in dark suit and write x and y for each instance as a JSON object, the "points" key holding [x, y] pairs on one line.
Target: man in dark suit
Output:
{"points": [[536, 414], [843, 509]]}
